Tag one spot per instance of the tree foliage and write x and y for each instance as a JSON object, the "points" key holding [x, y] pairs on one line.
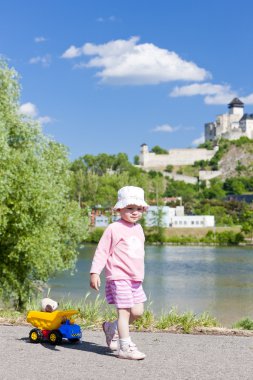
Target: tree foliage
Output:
{"points": [[102, 163], [40, 226], [158, 150]]}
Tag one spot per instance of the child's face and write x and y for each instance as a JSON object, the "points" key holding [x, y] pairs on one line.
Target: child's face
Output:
{"points": [[131, 213]]}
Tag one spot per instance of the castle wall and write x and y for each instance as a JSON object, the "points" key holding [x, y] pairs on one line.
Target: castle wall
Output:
{"points": [[210, 131], [205, 175], [181, 177], [233, 135], [247, 127], [175, 157]]}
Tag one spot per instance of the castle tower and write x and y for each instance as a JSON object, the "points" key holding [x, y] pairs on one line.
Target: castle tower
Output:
{"points": [[236, 107], [144, 153]]}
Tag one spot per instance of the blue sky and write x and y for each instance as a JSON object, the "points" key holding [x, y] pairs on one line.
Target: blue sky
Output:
{"points": [[109, 75]]}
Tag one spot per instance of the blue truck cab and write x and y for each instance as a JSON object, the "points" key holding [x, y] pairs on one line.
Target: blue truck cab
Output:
{"points": [[70, 331]]}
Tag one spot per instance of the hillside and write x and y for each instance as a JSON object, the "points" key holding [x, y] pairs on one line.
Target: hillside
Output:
{"points": [[233, 159], [237, 161]]}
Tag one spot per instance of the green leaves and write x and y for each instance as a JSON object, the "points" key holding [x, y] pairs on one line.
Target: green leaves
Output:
{"points": [[40, 227]]}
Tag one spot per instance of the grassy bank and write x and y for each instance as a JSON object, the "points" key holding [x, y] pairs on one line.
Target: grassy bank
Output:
{"points": [[219, 236], [91, 315], [199, 232]]}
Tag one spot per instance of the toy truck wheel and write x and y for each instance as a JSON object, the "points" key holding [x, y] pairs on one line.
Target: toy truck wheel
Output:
{"points": [[35, 336], [55, 337]]}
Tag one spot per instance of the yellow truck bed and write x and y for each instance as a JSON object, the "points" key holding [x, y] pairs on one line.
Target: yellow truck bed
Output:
{"points": [[49, 321]]}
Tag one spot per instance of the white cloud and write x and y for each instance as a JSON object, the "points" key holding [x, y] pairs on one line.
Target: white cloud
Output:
{"points": [[165, 128], [44, 60], [199, 140], [127, 62], [247, 99], [39, 39], [198, 89], [45, 120], [30, 110], [104, 19], [72, 52], [213, 93]]}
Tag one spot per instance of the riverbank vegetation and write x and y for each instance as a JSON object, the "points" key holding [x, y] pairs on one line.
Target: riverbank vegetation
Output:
{"points": [[219, 236], [92, 313]]}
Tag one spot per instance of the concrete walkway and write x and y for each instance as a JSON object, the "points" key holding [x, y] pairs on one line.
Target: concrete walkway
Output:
{"points": [[169, 356]]}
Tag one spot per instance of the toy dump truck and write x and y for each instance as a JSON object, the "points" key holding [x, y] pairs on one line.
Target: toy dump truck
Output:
{"points": [[53, 327]]}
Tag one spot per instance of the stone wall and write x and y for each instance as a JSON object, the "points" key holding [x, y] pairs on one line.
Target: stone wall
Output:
{"points": [[175, 157], [205, 175], [181, 177]]}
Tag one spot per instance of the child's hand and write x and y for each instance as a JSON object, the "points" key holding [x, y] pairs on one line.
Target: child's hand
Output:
{"points": [[95, 281]]}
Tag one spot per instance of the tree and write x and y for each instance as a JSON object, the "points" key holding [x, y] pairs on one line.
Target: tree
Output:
{"points": [[234, 186], [136, 160], [215, 191], [158, 150], [159, 225], [103, 163], [40, 226], [247, 225]]}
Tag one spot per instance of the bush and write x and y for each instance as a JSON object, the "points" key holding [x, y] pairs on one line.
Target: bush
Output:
{"points": [[169, 168], [95, 235], [155, 237], [245, 324], [229, 238]]}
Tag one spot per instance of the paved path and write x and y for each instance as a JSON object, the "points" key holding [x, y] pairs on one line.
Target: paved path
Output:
{"points": [[169, 356]]}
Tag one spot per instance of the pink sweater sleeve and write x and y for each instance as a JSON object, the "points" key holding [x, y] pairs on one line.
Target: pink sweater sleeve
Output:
{"points": [[103, 251]]}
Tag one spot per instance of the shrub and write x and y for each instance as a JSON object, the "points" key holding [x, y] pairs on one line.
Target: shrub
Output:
{"points": [[169, 168], [95, 235], [244, 324], [229, 238]]}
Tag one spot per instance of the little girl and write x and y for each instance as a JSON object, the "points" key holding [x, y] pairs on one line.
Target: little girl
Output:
{"points": [[121, 251]]}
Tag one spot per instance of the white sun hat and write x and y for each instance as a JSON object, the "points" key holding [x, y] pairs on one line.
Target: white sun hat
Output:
{"points": [[130, 195]]}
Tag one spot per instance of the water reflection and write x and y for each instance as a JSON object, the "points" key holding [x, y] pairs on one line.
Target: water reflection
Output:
{"points": [[218, 280]]}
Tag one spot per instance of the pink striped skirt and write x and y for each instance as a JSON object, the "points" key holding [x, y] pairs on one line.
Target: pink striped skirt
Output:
{"points": [[124, 294]]}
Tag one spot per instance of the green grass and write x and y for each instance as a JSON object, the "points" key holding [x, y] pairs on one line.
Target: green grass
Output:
{"points": [[244, 324], [186, 321], [92, 313]]}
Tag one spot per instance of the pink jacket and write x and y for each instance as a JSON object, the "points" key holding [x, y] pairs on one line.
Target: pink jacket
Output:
{"points": [[121, 251]]}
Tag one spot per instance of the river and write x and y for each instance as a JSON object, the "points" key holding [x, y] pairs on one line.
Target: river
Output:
{"points": [[214, 279]]}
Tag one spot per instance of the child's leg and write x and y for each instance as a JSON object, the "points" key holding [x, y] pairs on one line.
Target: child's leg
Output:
{"points": [[136, 312], [127, 349], [123, 323]]}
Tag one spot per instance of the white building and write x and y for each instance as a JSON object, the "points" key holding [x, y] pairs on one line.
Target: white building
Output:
{"points": [[174, 217], [104, 221], [101, 221], [193, 221], [231, 125], [152, 216], [170, 217]]}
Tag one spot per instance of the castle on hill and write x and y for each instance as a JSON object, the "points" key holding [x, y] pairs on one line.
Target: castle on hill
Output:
{"points": [[231, 125]]}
